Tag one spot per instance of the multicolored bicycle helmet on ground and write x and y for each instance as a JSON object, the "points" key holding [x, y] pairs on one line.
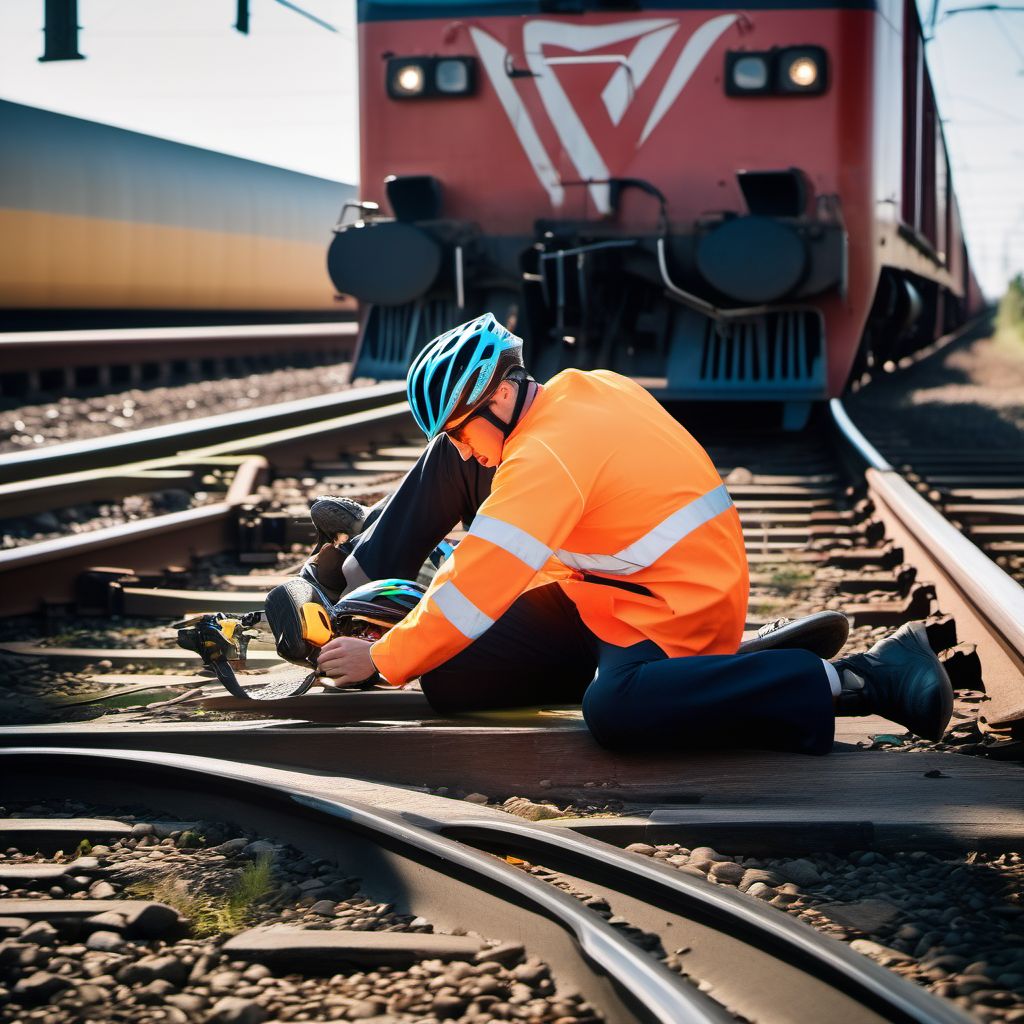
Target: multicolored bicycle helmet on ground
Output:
{"points": [[459, 371], [369, 611]]}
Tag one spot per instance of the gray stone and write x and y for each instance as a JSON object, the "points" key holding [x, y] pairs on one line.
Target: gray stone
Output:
{"points": [[689, 869], [90, 994], [85, 865], [232, 1010], [784, 899], [801, 871], [324, 908], [13, 925], [101, 891], [752, 876], [643, 848], [42, 933], [165, 968], [707, 853], [726, 871], [39, 987], [105, 942], [260, 848], [447, 1007], [154, 991], [232, 846], [110, 920], [866, 916], [876, 949], [142, 828], [223, 982], [187, 1001], [475, 798], [531, 973]]}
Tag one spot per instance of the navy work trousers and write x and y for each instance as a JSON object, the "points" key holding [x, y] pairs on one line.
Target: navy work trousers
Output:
{"points": [[541, 652]]}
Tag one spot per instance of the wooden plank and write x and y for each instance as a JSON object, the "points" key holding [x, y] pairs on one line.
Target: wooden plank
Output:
{"points": [[126, 656], [504, 761]]}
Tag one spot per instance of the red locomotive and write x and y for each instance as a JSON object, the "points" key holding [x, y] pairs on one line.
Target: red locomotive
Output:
{"points": [[728, 204]]}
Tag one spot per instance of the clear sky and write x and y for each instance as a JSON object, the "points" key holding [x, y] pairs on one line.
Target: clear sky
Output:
{"points": [[286, 93]]}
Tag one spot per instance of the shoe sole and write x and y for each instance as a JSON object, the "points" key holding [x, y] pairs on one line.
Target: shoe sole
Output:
{"points": [[823, 634], [282, 612], [334, 516], [920, 634]]}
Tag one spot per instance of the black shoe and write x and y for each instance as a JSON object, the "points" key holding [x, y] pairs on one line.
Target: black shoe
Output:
{"points": [[334, 517], [903, 681], [822, 633], [324, 570]]}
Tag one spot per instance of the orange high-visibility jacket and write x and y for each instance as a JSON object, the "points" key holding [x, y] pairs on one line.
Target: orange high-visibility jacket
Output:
{"points": [[601, 491]]}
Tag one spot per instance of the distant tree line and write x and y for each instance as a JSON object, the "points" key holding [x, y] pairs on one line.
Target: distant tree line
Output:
{"points": [[1011, 307]]}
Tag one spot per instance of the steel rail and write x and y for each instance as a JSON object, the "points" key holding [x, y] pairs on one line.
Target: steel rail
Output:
{"points": [[986, 602], [643, 986], [172, 439], [21, 351], [47, 570], [840, 984], [666, 889]]}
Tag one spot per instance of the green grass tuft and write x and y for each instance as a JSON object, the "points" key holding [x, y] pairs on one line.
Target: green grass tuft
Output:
{"points": [[211, 915]]}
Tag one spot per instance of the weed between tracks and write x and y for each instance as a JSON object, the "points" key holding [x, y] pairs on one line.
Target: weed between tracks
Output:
{"points": [[214, 914]]}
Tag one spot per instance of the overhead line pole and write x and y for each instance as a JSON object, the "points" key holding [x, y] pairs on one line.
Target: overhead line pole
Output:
{"points": [[60, 30], [242, 16]]}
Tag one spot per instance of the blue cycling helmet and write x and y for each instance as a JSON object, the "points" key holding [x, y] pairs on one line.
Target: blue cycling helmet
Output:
{"points": [[459, 371], [383, 603]]}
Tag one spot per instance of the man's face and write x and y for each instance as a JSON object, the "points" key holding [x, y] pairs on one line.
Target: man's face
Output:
{"points": [[477, 438]]}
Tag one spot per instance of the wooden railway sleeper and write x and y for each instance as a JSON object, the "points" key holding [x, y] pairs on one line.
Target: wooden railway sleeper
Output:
{"points": [[918, 605]]}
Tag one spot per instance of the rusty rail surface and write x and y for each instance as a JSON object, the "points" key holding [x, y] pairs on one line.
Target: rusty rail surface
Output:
{"points": [[986, 602], [286, 435], [66, 351], [459, 871]]}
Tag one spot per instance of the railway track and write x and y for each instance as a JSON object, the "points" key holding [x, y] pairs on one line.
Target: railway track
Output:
{"points": [[35, 363], [189, 456], [820, 532], [612, 942]]}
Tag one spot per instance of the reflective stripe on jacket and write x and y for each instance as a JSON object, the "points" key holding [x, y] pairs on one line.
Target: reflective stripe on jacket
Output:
{"points": [[601, 491]]}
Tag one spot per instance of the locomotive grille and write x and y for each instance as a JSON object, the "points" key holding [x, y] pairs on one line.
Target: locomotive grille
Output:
{"points": [[775, 355], [393, 335]]}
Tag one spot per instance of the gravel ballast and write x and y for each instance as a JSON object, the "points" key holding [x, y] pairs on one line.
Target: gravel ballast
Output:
{"points": [[953, 924], [76, 418], [101, 970]]}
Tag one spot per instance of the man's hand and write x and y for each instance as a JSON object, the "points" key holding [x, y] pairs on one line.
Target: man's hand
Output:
{"points": [[346, 661]]}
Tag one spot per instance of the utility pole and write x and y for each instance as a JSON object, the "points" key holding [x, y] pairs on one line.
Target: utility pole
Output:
{"points": [[242, 17], [60, 31]]}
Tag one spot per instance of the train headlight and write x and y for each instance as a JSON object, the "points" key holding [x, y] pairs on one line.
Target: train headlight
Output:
{"points": [[801, 69], [406, 80], [803, 72], [748, 74], [420, 77], [454, 76], [791, 71]]}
